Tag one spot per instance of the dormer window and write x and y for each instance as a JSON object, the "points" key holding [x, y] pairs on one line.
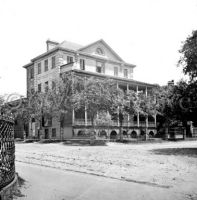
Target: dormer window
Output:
{"points": [[99, 51]]}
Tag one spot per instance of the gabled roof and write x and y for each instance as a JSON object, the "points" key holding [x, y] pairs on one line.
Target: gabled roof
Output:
{"points": [[105, 44], [70, 45], [77, 48]]}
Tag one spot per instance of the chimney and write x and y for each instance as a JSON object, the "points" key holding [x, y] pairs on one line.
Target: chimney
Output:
{"points": [[51, 44]]}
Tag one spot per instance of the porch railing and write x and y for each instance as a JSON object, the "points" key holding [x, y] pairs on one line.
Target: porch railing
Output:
{"points": [[81, 122], [7, 151]]}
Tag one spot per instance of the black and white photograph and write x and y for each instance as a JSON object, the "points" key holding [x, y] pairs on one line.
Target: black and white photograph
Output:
{"points": [[98, 100]]}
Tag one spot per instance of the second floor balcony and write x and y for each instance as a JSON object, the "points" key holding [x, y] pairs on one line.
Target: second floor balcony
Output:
{"points": [[83, 122]]}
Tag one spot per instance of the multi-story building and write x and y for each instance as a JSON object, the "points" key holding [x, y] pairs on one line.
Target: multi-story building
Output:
{"points": [[97, 59]]}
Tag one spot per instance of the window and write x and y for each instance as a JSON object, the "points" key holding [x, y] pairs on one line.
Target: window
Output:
{"points": [[100, 67], [69, 59], [39, 68], [115, 71], [53, 132], [32, 90], [39, 87], [46, 65], [125, 73], [99, 51], [46, 86], [82, 64], [32, 73], [53, 62], [53, 85]]}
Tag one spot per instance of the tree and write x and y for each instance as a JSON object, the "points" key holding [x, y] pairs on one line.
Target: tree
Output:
{"points": [[123, 104], [1, 104], [61, 96], [148, 106], [103, 119], [176, 104], [93, 98], [189, 58], [188, 61]]}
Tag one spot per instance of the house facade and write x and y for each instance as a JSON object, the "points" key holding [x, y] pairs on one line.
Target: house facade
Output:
{"points": [[97, 59]]}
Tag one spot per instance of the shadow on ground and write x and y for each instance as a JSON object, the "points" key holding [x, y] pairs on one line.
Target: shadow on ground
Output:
{"points": [[17, 192], [191, 152], [81, 144]]}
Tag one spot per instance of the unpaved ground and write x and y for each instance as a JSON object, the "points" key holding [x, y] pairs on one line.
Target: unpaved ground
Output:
{"points": [[171, 166]]}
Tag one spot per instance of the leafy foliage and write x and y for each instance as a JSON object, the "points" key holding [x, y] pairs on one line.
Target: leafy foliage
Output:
{"points": [[94, 97], [189, 58], [103, 119]]}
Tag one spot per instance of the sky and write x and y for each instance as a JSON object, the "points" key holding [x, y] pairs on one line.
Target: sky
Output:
{"points": [[147, 33]]}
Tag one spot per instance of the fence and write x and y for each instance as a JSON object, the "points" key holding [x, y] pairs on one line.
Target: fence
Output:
{"points": [[195, 132], [7, 151], [176, 133]]}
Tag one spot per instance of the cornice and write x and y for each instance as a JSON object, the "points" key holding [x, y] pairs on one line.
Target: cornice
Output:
{"points": [[125, 80], [80, 53], [28, 65]]}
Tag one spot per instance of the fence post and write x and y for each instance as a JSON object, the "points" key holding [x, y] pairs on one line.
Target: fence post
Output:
{"points": [[184, 133], [166, 133]]}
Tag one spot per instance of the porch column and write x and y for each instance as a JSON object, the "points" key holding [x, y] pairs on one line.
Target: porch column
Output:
{"points": [[138, 116], [118, 108], [73, 116], [155, 120], [127, 87], [146, 92], [86, 116], [128, 117], [137, 89], [138, 119], [147, 121]]}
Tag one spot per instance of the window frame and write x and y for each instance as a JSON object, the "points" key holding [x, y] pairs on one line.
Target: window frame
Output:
{"points": [[82, 64], [126, 75], [46, 86], [115, 71], [31, 73], [100, 51], [40, 87], [102, 67], [70, 59], [53, 62], [39, 68], [46, 65], [53, 132]]}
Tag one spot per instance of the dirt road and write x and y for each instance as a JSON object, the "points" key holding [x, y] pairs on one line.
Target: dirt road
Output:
{"points": [[169, 170]]}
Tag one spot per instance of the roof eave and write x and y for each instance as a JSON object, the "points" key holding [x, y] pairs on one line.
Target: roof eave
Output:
{"points": [[27, 65]]}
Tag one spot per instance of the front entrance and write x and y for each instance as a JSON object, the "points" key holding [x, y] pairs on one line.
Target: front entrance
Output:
{"points": [[46, 133]]}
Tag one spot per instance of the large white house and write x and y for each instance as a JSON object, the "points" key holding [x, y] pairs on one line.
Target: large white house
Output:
{"points": [[96, 59]]}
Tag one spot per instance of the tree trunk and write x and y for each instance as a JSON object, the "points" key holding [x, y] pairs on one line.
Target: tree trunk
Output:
{"points": [[146, 128], [120, 130], [92, 136]]}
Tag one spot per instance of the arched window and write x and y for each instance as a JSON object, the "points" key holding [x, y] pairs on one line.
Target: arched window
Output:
{"points": [[99, 51]]}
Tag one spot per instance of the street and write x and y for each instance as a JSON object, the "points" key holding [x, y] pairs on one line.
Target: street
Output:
{"points": [[117, 171]]}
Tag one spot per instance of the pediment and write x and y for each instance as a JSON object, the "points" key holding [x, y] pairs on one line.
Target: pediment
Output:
{"points": [[101, 49]]}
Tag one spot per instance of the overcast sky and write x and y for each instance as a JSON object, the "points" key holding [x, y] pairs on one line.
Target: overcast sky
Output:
{"points": [[147, 33]]}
